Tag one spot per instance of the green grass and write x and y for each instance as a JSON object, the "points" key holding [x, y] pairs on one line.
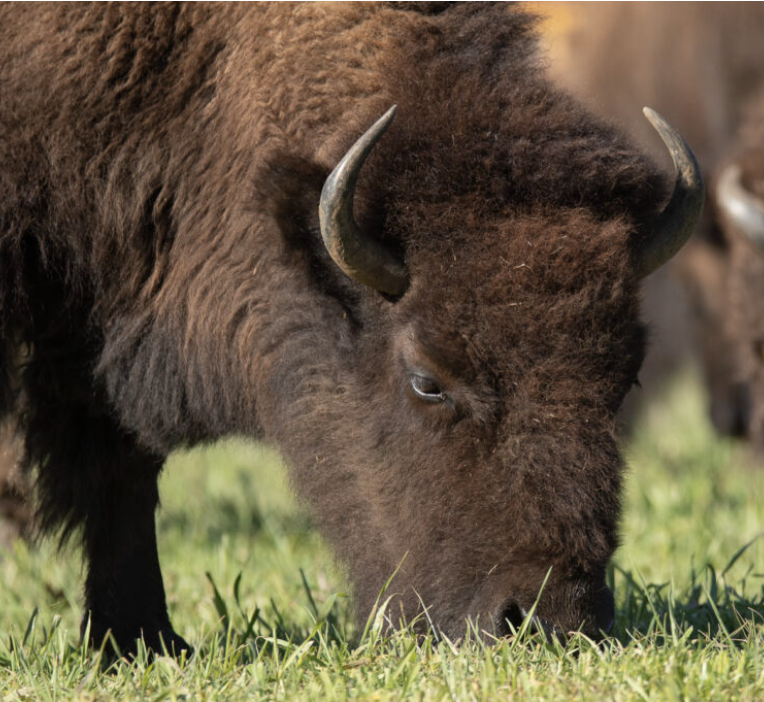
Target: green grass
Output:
{"points": [[271, 620]]}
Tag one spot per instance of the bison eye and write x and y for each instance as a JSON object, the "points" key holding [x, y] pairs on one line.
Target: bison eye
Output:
{"points": [[426, 388]]}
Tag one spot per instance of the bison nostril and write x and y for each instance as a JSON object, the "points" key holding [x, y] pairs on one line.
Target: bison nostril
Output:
{"points": [[513, 616], [510, 617]]}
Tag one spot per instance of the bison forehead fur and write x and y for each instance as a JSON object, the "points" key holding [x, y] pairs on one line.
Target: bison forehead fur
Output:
{"points": [[159, 183]]}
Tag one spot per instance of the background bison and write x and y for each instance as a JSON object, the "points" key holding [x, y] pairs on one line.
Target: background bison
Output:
{"points": [[739, 200], [699, 64], [440, 358]]}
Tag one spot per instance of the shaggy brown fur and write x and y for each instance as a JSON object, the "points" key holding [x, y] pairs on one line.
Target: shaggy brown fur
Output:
{"points": [[698, 64], [744, 283], [161, 171]]}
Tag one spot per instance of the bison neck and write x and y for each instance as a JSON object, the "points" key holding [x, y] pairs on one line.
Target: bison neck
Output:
{"points": [[201, 368]]}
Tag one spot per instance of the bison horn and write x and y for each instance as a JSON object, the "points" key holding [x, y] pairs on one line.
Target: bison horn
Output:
{"points": [[744, 209], [680, 216], [361, 257]]}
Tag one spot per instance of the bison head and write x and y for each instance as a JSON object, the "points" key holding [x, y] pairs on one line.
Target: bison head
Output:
{"points": [[479, 457], [742, 219]]}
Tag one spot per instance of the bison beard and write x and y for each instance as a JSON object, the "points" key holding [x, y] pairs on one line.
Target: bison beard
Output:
{"points": [[164, 267]]}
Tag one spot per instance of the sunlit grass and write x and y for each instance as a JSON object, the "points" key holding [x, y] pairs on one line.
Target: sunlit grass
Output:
{"points": [[258, 595]]}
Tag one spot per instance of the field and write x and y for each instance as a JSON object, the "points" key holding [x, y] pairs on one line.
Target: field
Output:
{"points": [[257, 594]]}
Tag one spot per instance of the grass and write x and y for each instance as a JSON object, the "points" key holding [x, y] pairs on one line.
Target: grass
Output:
{"points": [[256, 592]]}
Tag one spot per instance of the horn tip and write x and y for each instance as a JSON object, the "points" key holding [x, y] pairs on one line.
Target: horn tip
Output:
{"points": [[653, 117], [388, 117]]}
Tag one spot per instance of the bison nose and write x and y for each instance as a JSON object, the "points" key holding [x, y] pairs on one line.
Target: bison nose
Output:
{"points": [[731, 410], [511, 617], [592, 613]]}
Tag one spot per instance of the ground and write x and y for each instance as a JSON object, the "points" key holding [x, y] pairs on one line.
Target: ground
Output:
{"points": [[257, 594]]}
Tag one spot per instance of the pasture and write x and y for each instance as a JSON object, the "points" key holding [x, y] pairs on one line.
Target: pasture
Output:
{"points": [[256, 592]]}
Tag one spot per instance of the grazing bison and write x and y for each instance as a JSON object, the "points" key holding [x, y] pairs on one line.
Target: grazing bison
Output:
{"points": [[699, 64], [740, 202], [213, 222]]}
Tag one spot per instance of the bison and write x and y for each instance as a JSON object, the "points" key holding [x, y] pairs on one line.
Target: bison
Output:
{"points": [[739, 198], [699, 64], [214, 220]]}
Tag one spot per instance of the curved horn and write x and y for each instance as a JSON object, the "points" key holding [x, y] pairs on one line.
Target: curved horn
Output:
{"points": [[744, 209], [680, 216], [361, 257]]}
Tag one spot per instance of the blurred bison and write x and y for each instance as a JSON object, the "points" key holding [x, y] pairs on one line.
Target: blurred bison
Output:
{"points": [[699, 64], [740, 202], [439, 355]]}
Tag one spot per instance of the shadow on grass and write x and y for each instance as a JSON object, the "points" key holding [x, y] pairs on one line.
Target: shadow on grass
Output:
{"points": [[709, 609]]}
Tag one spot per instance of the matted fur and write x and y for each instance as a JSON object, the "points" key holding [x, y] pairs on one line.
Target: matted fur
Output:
{"points": [[159, 183]]}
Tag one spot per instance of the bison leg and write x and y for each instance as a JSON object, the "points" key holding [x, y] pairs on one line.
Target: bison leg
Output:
{"points": [[93, 478], [124, 593]]}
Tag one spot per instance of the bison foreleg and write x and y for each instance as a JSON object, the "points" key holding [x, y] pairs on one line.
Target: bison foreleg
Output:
{"points": [[94, 479], [124, 593]]}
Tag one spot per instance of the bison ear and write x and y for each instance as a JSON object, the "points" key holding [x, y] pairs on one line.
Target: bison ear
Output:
{"points": [[360, 256], [744, 210], [680, 216]]}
